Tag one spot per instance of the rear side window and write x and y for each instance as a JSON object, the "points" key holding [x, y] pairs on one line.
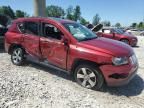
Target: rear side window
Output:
{"points": [[31, 28]]}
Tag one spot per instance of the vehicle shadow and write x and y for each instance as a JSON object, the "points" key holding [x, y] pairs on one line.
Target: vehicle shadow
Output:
{"points": [[136, 46], [51, 70], [135, 87]]}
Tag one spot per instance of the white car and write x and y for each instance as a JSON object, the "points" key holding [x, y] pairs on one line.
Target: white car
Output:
{"points": [[142, 33]]}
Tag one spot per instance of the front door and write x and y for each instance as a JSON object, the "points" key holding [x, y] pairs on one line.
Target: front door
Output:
{"points": [[52, 46]]}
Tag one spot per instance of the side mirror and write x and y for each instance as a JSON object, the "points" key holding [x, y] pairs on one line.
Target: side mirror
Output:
{"points": [[65, 41], [59, 35]]}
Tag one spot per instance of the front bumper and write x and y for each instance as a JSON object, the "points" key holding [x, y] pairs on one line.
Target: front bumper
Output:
{"points": [[127, 71]]}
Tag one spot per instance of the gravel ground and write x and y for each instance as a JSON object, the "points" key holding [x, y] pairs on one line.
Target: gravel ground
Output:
{"points": [[34, 86]]}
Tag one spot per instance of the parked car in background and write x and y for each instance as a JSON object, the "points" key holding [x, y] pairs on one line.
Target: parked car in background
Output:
{"points": [[142, 33], [116, 34], [73, 48], [132, 31], [136, 32], [3, 30], [4, 21]]}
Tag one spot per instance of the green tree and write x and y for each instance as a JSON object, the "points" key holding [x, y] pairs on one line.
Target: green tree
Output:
{"points": [[69, 13], [141, 25], [83, 21], [7, 10], [55, 11], [106, 23], [3, 20], [26, 14], [77, 13], [96, 19], [118, 25], [134, 25], [20, 14]]}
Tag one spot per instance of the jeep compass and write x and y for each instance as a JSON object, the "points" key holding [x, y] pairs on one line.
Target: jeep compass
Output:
{"points": [[67, 45]]}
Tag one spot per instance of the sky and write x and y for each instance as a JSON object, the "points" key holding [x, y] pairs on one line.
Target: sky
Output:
{"points": [[123, 11]]}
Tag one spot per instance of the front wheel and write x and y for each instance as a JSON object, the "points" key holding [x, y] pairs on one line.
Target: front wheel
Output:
{"points": [[89, 77], [17, 56]]}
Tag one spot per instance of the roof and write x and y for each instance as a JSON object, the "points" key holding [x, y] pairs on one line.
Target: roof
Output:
{"points": [[60, 20]]}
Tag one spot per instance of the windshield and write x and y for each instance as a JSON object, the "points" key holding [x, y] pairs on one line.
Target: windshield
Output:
{"points": [[81, 33]]}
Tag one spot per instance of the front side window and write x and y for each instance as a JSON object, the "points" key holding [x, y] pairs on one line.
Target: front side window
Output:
{"points": [[81, 33], [51, 31], [31, 28]]}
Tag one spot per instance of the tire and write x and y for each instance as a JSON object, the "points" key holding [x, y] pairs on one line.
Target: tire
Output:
{"points": [[89, 76], [17, 56], [125, 41]]}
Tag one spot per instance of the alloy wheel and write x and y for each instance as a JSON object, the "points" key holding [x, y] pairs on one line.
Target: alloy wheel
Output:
{"points": [[17, 56], [86, 77]]}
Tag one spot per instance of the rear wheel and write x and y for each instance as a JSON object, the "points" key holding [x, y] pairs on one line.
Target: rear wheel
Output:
{"points": [[17, 56], [125, 41], [89, 77]]}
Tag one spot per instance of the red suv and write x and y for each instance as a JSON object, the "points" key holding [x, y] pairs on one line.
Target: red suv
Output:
{"points": [[72, 47], [118, 34]]}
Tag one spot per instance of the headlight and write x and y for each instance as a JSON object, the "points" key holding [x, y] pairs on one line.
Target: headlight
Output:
{"points": [[120, 61]]}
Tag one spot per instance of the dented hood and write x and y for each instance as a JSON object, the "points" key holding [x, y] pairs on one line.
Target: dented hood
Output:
{"points": [[108, 46]]}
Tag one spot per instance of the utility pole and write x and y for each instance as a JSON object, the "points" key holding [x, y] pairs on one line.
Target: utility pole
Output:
{"points": [[40, 8]]}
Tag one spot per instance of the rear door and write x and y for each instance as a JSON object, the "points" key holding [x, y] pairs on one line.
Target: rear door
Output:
{"points": [[52, 46], [31, 37]]}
